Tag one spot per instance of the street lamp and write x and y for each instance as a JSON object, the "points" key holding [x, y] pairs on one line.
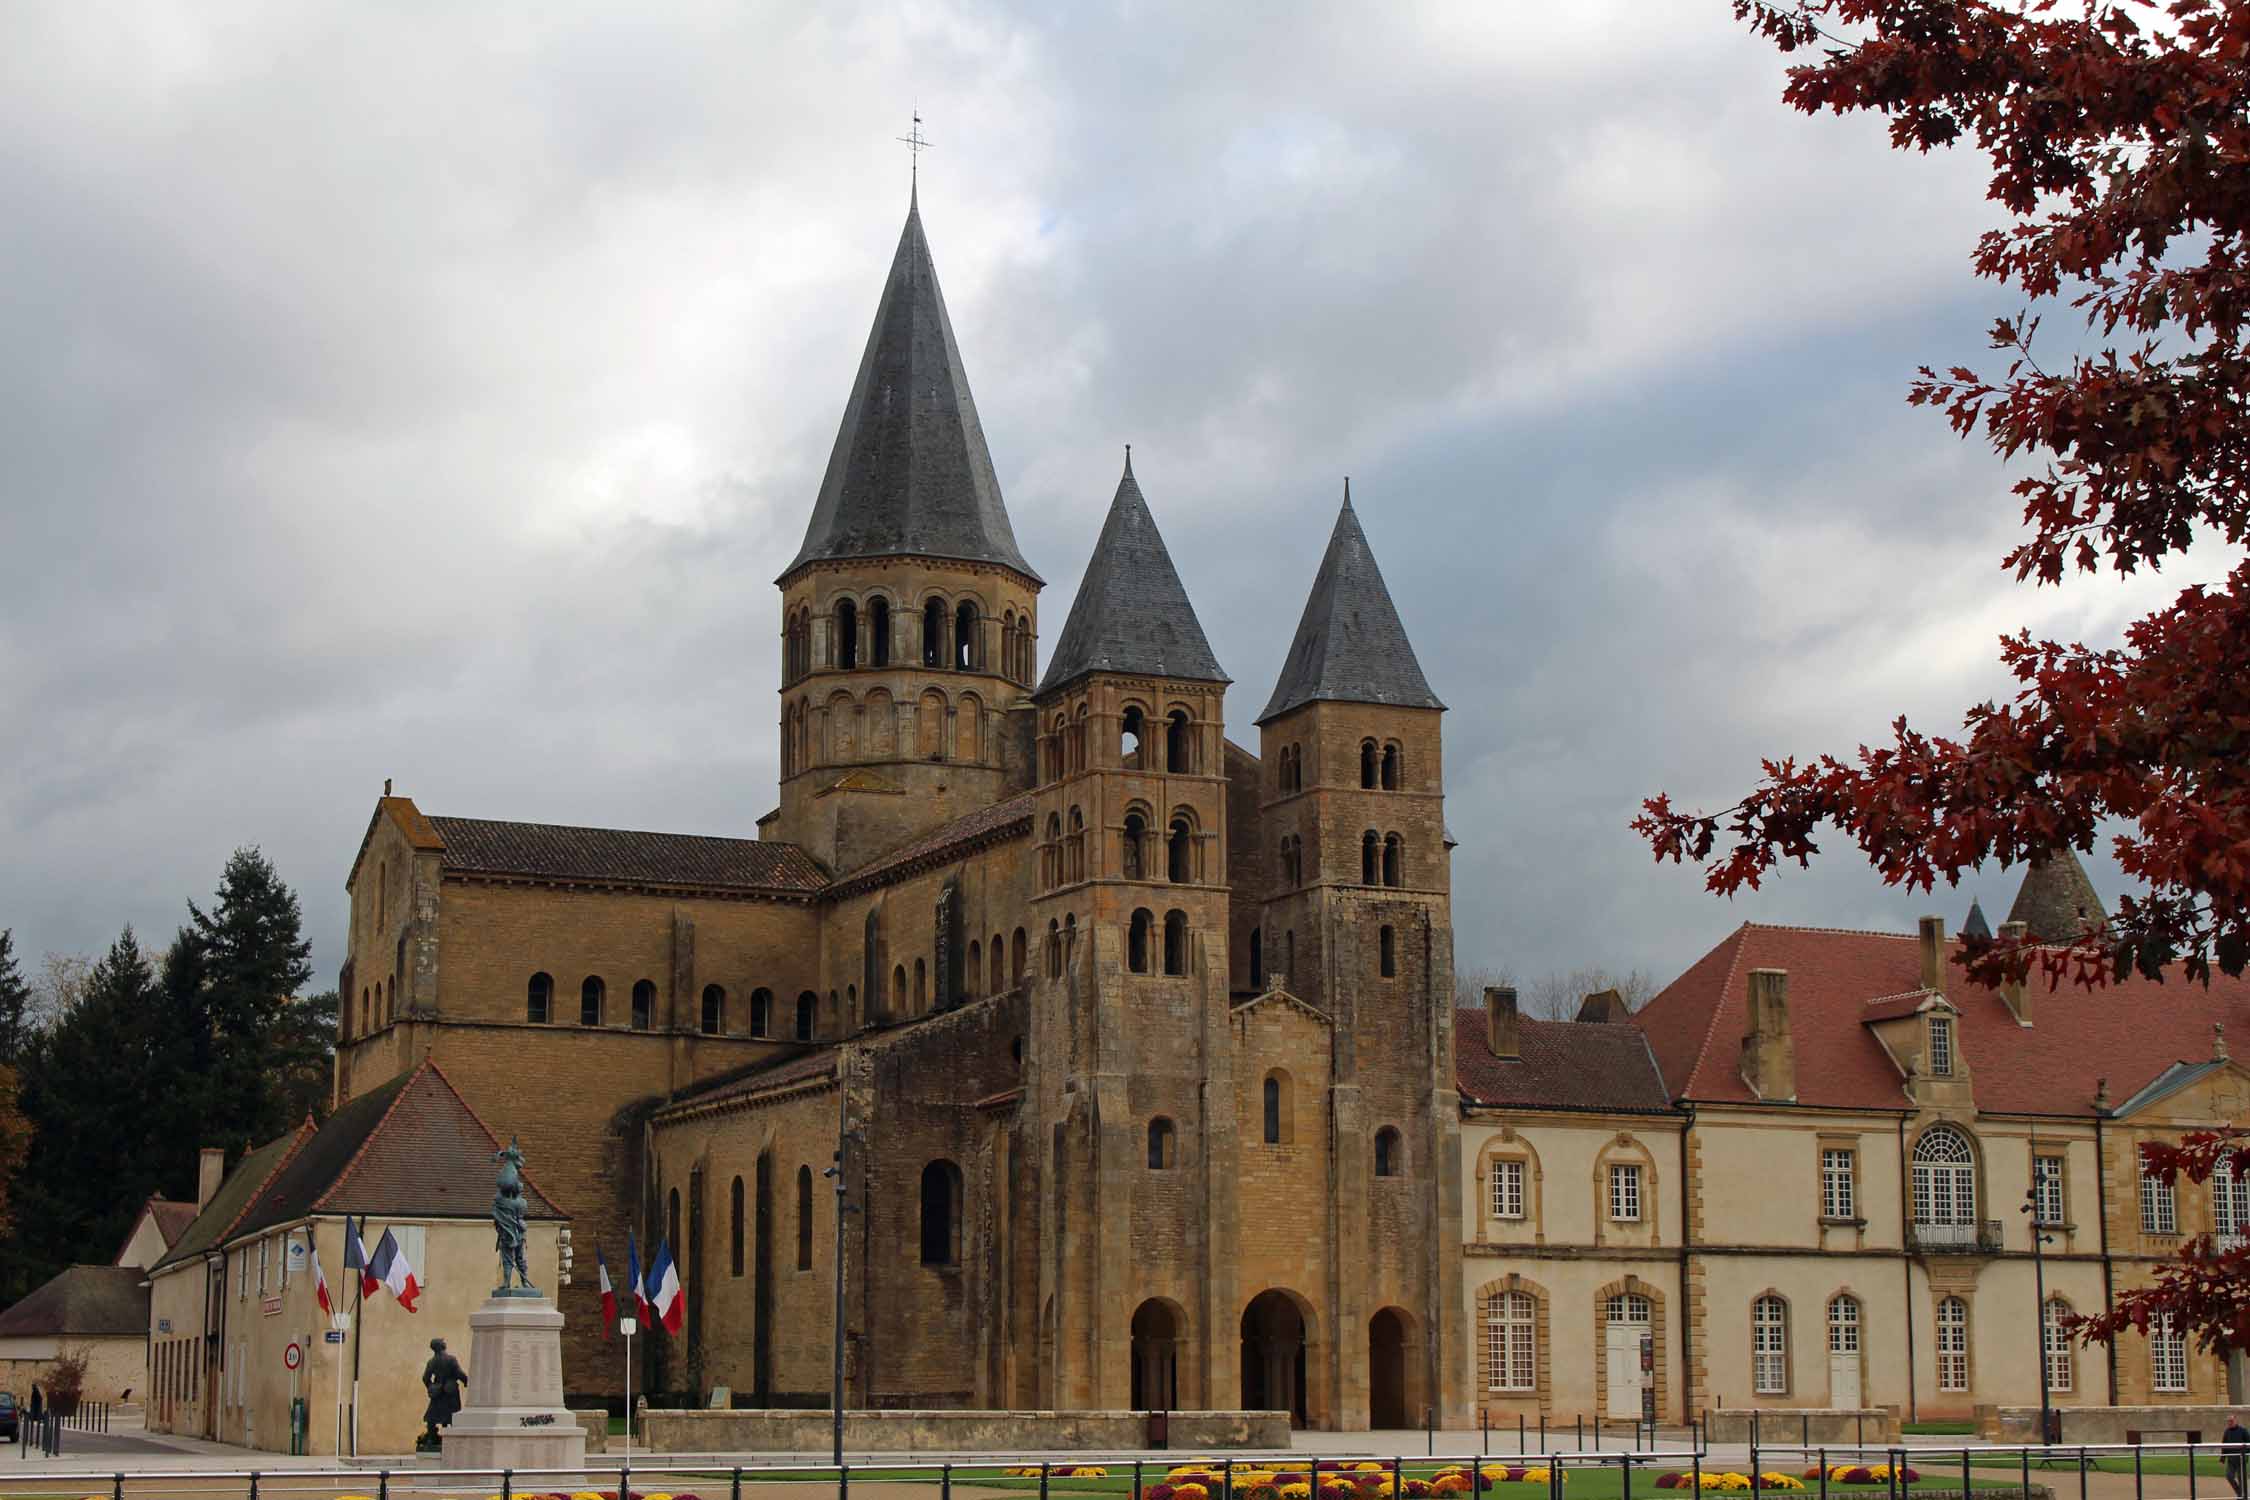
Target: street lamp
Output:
{"points": [[628, 1326], [2039, 1308]]}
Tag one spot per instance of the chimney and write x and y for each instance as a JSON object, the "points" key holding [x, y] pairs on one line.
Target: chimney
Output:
{"points": [[210, 1171], [1769, 1059], [1503, 1033], [1933, 954], [2014, 993]]}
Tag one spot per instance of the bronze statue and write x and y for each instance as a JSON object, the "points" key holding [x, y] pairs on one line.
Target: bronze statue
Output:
{"points": [[443, 1378], [508, 1217]]}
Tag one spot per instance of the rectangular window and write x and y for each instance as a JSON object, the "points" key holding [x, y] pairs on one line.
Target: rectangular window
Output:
{"points": [[1769, 1347], [1836, 1196], [2159, 1214], [2167, 1356], [1625, 1193], [2230, 1199], [1513, 1346], [2047, 1189], [1941, 1046], [2057, 1342], [1507, 1190], [1953, 1345]]}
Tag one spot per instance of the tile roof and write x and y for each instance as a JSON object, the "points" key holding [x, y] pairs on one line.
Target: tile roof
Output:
{"points": [[82, 1302], [1350, 646], [910, 472], [757, 1078], [2129, 1032], [412, 1149], [483, 846], [171, 1220], [1593, 1065], [1132, 612], [1004, 819], [211, 1226]]}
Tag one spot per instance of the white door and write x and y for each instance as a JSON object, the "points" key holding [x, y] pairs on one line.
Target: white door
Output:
{"points": [[1843, 1379], [1624, 1341]]}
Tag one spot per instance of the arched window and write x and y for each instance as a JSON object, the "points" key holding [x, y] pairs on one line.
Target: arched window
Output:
{"points": [[1070, 938], [644, 1004], [1952, 1344], [1016, 957], [966, 637], [1179, 742], [761, 1012], [1162, 1143], [847, 634], [1843, 1324], [804, 1218], [933, 633], [808, 1004], [1054, 949], [390, 998], [1513, 1342], [1274, 1097], [1367, 764], [1390, 768], [921, 987], [1077, 752], [1370, 857], [1629, 1307], [1137, 941], [1050, 857], [1388, 952], [1180, 851], [1131, 729], [997, 954], [1077, 861], [972, 972], [941, 1214], [1945, 1188], [898, 986], [1769, 1346], [1394, 860], [1136, 838], [590, 1001], [714, 1010], [879, 631], [1175, 942], [1296, 768], [734, 1227], [1257, 961], [2054, 1337], [1387, 1152]]}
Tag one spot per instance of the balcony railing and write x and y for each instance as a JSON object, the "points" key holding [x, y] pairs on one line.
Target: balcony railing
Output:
{"points": [[2227, 1240], [1969, 1237]]}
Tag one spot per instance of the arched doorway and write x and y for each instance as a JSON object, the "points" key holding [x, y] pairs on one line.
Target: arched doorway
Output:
{"points": [[1273, 1356], [1387, 1374], [1157, 1334]]}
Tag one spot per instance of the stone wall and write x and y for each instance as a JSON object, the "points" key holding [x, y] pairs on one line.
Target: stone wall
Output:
{"points": [[1803, 1424], [2105, 1424], [935, 1432]]}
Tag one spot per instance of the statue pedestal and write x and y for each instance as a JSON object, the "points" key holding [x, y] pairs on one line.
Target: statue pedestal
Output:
{"points": [[515, 1417]]}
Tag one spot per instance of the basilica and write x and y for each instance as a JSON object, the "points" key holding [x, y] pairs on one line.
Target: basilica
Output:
{"points": [[1118, 1048]]}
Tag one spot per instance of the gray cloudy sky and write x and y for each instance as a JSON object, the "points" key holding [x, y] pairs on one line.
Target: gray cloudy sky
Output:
{"points": [[433, 391]]}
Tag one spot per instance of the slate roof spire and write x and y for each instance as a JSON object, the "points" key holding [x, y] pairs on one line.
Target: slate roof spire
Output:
{"points": [[1350, 646], [1132, 612], [1974, 925], [910, 473], [2056, 901]]}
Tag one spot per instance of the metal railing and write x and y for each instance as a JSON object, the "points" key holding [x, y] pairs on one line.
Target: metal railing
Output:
{"points": [[2001, 1468], [1969, 1237]]}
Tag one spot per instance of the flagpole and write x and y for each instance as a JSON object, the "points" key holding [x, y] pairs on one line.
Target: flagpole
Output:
{"points": [[359, 1305]]}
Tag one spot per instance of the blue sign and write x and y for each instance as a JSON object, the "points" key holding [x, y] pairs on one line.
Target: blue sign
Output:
{"points": [[333, 1337]]}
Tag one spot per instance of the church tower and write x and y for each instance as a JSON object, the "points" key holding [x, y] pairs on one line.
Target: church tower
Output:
{"points": [[1128, 1019], [909, 617], [1358, 924]]}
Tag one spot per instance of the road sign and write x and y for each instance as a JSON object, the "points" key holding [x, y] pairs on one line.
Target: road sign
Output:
{"points": [[292, 1356], [333, 1336]]}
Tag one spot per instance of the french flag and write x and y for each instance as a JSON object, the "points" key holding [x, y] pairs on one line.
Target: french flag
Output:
{"points": [[633, 1280], [609, 1296], [320, 1282], [355, 1257], [664, 1285], [389, 1269]]}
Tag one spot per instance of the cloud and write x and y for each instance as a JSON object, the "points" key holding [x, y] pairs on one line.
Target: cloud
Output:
{"points": [[434, 393]]}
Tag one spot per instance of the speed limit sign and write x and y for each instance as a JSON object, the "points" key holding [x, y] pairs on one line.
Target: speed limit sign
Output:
{"points": [[292, 1356]]}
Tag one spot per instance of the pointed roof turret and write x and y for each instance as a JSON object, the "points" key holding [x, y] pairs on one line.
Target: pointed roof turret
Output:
{"points": [[1974, 925], [1350, 646], [910, 472], [1132, 612], [2057, 902]]}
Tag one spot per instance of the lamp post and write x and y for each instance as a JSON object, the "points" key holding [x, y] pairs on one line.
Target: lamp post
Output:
{"points": [[2039, 1307], [628, 1325]]}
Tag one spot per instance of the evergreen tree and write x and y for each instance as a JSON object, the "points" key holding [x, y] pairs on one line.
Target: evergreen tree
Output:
{"points": [[252, 958], [308, 1055], [15, 1002]]}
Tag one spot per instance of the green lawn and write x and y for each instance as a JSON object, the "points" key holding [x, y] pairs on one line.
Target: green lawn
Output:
{"points": [[2065, 1459], [1939, 1429]]}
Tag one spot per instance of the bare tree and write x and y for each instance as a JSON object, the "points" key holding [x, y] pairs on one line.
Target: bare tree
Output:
{"points": [[58, 989], [1557, 995]]}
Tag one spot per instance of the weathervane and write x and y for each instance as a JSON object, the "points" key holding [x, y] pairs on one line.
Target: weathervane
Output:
{"points": [[916, 144]]}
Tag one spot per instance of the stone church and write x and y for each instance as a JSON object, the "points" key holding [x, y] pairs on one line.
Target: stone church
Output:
{"points": [[1133, 1046]]}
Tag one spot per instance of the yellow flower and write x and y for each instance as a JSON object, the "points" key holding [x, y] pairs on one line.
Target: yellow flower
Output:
{"points": [[1191, 1491], [1296, 1492]]}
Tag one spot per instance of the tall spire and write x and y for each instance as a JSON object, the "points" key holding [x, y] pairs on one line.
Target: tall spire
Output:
{"points": [[1350, 646], [1132, 612], [2057, 902], [1974, 925], [910, 473]]}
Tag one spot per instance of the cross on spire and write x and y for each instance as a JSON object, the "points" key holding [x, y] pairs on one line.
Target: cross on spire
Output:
{"points": [[916, 143]]}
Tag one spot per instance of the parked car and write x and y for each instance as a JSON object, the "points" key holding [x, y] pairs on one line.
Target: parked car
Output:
{"points": [[10, 1427]]}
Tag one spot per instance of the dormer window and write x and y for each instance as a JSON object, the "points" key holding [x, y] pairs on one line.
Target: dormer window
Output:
{"points": [[1941, 1046]]}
